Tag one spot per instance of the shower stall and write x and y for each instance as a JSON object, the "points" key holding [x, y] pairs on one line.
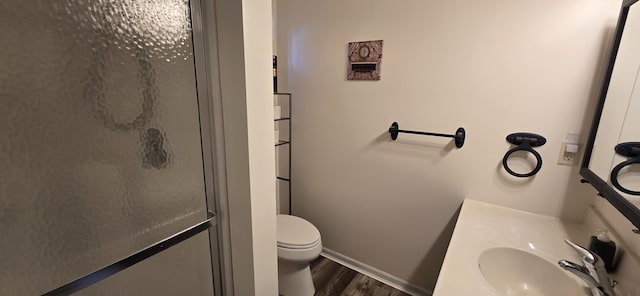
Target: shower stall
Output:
{"points": [[105, 150]]}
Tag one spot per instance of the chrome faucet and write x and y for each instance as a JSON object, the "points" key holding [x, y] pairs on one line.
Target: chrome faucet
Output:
{"points": [[591, 272]]}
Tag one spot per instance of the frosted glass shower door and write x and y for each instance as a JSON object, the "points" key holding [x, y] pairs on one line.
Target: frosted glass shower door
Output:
{"points": [[100, 145]]}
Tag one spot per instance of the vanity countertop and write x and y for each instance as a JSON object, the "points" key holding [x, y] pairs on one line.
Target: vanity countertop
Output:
{"points": [[482, 226]]}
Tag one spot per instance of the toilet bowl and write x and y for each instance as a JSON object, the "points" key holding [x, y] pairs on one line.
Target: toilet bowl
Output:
{"points": [[298, 244]]}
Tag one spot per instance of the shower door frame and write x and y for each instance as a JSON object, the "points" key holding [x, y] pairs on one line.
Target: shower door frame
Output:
{"points": [[205, 49]]}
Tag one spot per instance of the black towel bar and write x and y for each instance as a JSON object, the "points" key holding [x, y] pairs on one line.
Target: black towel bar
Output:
{"points": [[459, 136]]}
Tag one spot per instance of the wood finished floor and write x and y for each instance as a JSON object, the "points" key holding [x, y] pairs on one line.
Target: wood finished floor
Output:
{"points": [[333, 279]]}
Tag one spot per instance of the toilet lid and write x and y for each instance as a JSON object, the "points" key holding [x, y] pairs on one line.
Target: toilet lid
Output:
{"points": [[296, 233]]}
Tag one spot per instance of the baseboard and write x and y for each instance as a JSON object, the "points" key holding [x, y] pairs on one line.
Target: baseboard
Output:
{"points": [[375, 273]]}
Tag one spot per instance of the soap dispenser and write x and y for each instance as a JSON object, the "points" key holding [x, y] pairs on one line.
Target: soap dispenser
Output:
{"points": [[602, 245]]}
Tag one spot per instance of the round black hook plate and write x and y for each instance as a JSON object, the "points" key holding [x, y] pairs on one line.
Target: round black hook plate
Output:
{"points": [[460, 136], [628, 149], [393, 130], [534, 140]]}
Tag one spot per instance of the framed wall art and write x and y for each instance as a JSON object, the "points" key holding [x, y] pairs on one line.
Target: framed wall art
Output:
{"points": [[365, 58]]}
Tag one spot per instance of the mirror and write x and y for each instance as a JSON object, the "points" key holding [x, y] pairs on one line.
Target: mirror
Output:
{"points": [[613, 141]]}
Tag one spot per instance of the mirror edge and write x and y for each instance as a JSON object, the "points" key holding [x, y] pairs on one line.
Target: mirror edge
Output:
{"points": [[626, 208]]}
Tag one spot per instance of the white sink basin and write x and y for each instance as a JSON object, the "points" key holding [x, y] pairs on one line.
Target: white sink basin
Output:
{"points": [[514, 272]]}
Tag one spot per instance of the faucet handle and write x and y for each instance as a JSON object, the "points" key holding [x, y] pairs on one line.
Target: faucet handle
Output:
{"points": [[585, 254], [575, 268], [595, 266], [583, 273]]}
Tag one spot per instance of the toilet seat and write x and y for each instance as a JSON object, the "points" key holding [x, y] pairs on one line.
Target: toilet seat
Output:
{"points": [[296, 233]]}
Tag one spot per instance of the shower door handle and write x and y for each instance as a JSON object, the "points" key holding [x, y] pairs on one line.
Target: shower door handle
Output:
{"points": [[107, 271]]}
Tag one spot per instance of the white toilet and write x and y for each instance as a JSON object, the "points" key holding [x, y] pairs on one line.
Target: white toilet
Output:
{"points": [[298, 244]]}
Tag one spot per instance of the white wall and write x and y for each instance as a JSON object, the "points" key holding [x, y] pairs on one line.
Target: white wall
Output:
{"points": [[258, 69], [493, 67], [244, 57]]}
